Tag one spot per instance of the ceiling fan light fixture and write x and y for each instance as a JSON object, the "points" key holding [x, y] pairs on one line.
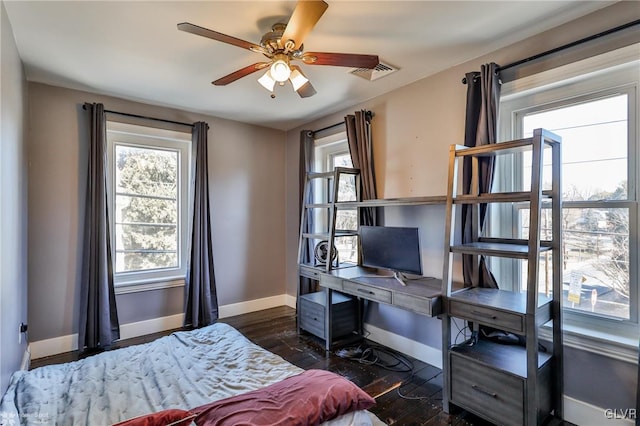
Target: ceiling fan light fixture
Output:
{"points": [[280, 70], [297, 79], [267, 81]]}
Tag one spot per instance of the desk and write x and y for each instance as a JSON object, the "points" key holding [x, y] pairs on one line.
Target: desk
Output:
{"points": [[422, 296]]}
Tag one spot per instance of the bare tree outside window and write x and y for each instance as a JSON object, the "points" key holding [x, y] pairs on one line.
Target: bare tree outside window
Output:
{"points": [[595, 231], [146, 208]]}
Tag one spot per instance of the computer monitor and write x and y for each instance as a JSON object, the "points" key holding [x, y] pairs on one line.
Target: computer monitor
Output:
{"points": [[393, 248]]}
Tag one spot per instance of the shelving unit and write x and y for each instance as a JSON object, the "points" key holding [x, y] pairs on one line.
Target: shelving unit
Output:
{"points": [[506, 384], [340, 278], [321, 200]]}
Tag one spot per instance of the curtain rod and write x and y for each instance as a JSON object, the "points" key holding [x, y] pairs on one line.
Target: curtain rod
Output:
{"points": [[328, 127], [144, 117], [369, 114], [566, 46]]}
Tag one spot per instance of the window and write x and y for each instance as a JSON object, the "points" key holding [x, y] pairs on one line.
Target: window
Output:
{"points": [[332, 152], [149, 171], [595, 113]]}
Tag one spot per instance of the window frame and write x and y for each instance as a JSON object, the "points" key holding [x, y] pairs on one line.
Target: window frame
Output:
{"points": [[325, 150], [124, 134], [600, 76]]}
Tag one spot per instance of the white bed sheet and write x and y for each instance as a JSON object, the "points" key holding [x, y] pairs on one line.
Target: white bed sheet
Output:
{"points": [[183, 370]]}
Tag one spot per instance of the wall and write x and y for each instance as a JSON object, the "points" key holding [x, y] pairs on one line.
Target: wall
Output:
{"points": [[412, 130], [246, 174], [13, 203]]}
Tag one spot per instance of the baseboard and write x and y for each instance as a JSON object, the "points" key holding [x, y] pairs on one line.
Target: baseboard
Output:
{"points": [[405, 345], [584, 414], [69, 343], [54, 346], [290, 301], [252, 306]]}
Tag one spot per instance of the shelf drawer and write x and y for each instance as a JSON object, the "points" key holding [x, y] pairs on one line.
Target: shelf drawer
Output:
{"points": [[430, 306], [344, 310], [487, 392], [312, 318], [370, 293], [309, 272], [488, 316], [330, 281]]}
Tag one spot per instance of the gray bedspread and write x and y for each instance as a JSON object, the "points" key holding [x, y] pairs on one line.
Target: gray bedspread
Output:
{"points": [[183, 370]]}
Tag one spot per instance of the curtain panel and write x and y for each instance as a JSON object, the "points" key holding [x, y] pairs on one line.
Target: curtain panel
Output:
{"points": [[483, 98], [306, 285], [361, 148], [98, 327], [201, 301]]}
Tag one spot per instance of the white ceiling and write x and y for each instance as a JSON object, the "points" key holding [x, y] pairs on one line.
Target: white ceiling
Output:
{"points": [[132, 49]]}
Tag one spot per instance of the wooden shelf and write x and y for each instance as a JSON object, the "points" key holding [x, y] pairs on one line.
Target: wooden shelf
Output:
{"points": [[316, 235], [501, 148], [320, 175], [516, 251], [500, 197], [504, 300], [391, 202], [509, 358]]}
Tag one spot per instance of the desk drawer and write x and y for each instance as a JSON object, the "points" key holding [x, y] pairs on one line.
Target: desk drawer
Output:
{"points": [[312, 317], [492, 317], [367, 292], [309, 272], [330, 281], [424, 306], [486, 391]]}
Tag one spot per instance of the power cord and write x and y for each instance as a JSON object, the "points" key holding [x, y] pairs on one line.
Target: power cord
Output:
{"points": [[371, 354]]}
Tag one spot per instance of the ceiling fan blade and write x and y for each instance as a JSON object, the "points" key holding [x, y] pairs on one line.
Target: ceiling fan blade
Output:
{"points": [[305, 16], [243, 72], [214, 35], [341, 59]]}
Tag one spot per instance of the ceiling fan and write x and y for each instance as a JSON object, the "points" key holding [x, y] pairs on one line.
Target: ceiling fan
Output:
{"points": [[282, 45]]}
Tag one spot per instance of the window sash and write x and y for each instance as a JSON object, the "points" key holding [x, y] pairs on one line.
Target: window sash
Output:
{"points": [[120, 134], [615, 72]]}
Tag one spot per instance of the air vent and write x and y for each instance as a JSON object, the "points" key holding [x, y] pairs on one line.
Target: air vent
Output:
{"points": [[379, 71]]}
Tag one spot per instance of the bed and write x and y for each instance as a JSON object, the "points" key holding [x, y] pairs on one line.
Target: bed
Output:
{"points": [[201, 372]]}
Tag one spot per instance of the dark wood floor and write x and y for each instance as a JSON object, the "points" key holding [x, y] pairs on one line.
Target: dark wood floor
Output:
{"points": [[403, 397]]}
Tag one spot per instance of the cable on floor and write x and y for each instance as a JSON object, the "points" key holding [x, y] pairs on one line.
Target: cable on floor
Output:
{"points": [[371, 354]]}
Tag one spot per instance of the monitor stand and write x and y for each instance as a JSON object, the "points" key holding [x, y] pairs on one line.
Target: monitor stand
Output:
{"points": [[398, 277]]}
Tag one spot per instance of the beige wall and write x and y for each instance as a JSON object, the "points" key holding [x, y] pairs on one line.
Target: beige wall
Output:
{"points": [[413, 128], [13, 204], [246, 174]]}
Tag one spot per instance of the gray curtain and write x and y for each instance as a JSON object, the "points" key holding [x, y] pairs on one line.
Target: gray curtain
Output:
{"points": [[361, 149], [98, 327], [483, 97], [201, 301], [306, 285]]}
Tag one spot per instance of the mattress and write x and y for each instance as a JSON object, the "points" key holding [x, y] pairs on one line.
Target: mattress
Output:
{"points": [[183, 370]]}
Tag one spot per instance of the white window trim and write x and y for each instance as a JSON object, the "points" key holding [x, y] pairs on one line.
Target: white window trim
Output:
{"points": [[327, 147], [134, 135], [611, 338]]}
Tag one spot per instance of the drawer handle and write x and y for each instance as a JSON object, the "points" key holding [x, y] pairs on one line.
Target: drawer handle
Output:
{"points": [[482, 314], [361, 290], [484, 391]]}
